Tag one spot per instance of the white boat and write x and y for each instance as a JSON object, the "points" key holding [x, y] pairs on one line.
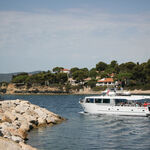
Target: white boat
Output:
{"points": [[112, 103]]}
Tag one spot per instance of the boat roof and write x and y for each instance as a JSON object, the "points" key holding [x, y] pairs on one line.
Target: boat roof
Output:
{"points": [[132, 97]]}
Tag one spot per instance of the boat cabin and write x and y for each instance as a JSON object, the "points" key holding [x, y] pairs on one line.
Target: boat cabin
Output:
{"points": [[100, 101], [112, 101]]}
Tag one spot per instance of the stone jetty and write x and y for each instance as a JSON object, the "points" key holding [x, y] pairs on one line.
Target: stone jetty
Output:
{"points": [[17, 118]]}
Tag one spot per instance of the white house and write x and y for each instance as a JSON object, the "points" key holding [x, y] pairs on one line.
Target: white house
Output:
{"points": [[105, 81], [65, 71]]}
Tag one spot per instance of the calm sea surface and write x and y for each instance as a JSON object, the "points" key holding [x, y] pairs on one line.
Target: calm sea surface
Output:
{"points": [[86, 132]]}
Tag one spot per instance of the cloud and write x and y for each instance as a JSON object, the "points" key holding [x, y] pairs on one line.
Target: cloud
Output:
{"points": [[73, 37]]}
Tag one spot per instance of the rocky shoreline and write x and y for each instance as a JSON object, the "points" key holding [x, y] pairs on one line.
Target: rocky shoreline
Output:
{"points": [[14, 89], [17, 118], [90, 92]]}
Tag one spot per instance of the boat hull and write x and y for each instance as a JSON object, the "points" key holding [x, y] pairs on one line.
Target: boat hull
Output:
{"points": [[115, 110]]}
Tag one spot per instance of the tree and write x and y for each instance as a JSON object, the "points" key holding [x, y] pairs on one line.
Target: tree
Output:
{"points": [[20, 78], [109, 70], [79, 75], [61, 78], [127, 67], [104, 75], [50, 78], [92, 83], [85, 70], [93, 73], [101, 66], [124, 77], [147, 71], [68, 87], [113, 64], [138, 73], [72, 70], [116, 69]]}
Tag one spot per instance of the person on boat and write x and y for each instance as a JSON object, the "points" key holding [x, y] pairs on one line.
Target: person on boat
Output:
{"points": [[137, 104], [145, 104]]}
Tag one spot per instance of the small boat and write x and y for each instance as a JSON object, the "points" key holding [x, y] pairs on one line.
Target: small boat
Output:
{"points": [[117, 103]]}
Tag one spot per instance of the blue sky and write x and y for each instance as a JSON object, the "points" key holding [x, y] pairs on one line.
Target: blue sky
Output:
{"points": [[43, 34]]}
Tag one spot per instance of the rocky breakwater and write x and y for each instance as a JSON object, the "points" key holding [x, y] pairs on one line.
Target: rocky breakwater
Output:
{"points": [[17, 118]]}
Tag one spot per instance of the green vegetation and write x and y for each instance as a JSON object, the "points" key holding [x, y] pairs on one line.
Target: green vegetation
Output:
{"points": [[80, 75], [131, 75]]}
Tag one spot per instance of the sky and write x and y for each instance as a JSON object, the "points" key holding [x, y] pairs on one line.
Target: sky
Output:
{"points": [[43, 34]]}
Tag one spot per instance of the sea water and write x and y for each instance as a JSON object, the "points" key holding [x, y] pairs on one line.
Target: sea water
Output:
{"points": [[86, 132]]}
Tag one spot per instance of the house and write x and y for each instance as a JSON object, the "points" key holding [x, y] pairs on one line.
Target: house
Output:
{"points": [[65, 71], [105, 81]]}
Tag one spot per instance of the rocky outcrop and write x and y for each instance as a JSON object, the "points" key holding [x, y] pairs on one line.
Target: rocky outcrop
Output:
{"points": [[34, 89], [18, 117]]}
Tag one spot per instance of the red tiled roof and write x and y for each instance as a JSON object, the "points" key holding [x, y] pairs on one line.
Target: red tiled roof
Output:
{"points": [[106, 80]]}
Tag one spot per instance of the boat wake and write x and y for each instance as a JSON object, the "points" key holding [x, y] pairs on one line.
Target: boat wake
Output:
{"points": [[81, 112]]}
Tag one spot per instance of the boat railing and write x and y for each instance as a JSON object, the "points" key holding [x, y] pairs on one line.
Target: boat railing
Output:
{"points": [[133, 104]]}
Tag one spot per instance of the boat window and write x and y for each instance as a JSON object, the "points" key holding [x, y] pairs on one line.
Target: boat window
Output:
{"points": [[98, 100], [120, 101], [89, 100], [106, 100]]}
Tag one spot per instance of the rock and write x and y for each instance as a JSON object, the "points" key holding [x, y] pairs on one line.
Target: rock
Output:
{"points": [[26, 126], [6, 119], [17, 139], [41, 121], [30, 118], [17, 124], [31, 112], [21, 109], [18, 132], [11, 116], [1, 116], [5, 125], [17, 117], [41, 113], [1, 134]]}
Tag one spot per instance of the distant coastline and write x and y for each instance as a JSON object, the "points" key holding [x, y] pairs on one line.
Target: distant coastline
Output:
{"points": [[45, 90], [134, 77]]}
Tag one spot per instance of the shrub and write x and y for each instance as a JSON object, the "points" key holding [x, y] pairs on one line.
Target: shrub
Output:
{"points": [[99, 88]]}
